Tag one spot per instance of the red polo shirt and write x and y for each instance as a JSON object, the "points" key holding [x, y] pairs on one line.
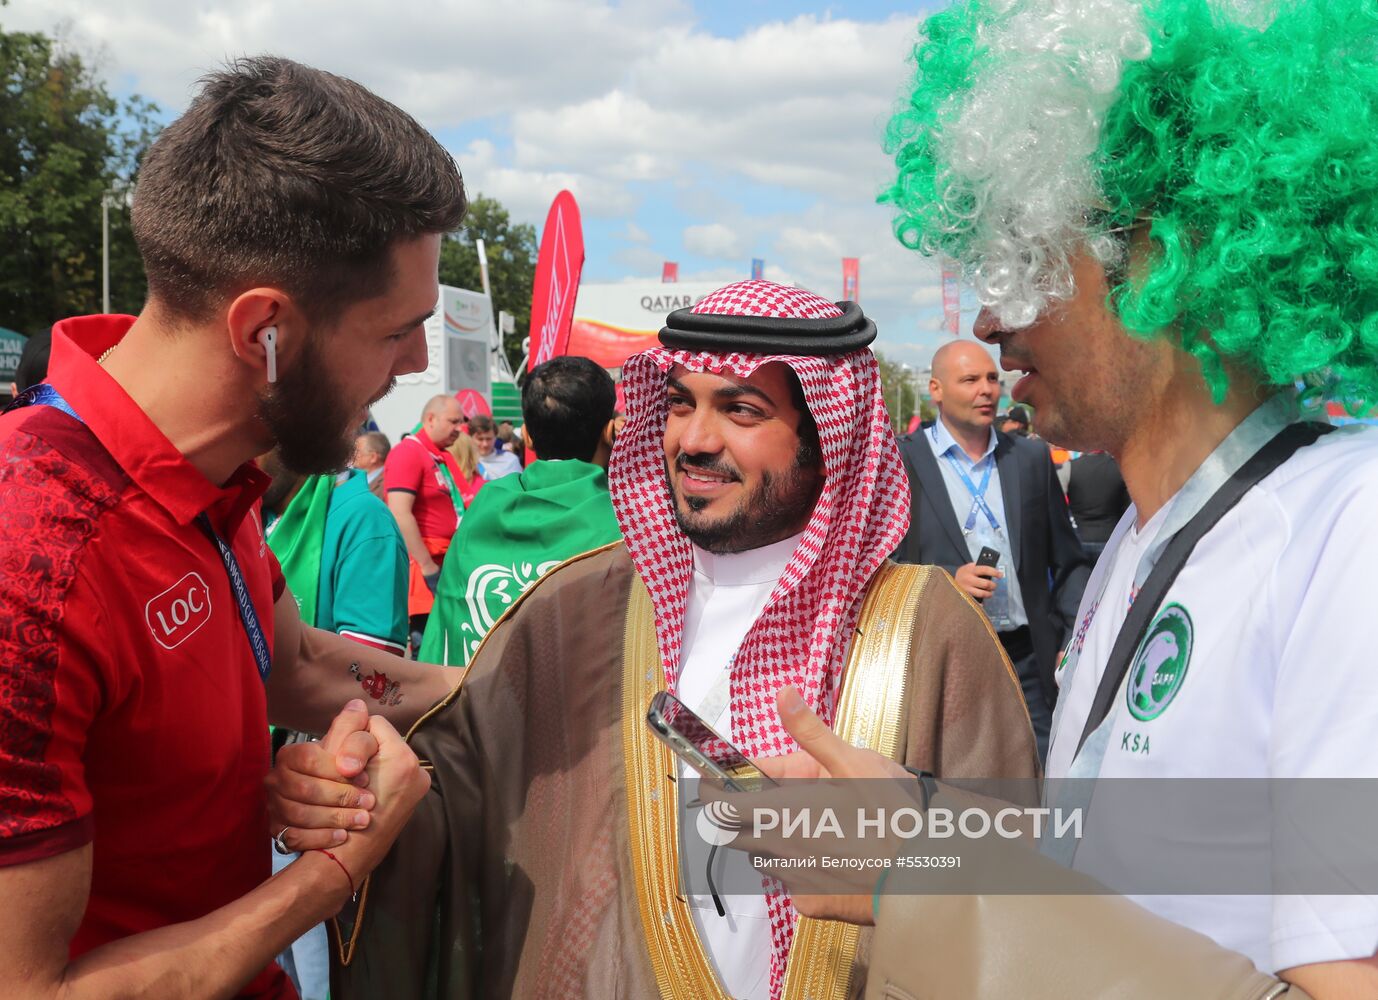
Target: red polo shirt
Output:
{"points": [[132, 714], [413, 466]]}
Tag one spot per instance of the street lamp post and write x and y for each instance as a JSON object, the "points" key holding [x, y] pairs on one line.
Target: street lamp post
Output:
{"points": [[906, 373], [105, 252]]}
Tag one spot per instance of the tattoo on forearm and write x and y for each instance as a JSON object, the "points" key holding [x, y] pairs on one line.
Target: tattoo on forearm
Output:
{"points": [[377, 686]]}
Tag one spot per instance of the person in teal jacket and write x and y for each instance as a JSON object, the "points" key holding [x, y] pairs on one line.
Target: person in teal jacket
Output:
{"points": [[521, 526], [342, 555]]}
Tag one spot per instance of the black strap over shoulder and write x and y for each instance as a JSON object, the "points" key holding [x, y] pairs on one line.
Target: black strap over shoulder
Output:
{"points": [[1179, 549]]}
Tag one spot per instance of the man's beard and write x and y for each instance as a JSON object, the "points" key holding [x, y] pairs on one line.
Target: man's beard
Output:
{"points": [[309, 417], [774, 510]]}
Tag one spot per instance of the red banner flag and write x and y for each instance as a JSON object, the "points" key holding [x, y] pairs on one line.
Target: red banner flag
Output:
{"points": [[669, 273], [557, 280], [952, 300], [851, 279], [473, 403]]}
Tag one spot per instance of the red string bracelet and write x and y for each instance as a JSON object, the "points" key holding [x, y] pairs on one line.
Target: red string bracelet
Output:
{"points": [[353, 893]]}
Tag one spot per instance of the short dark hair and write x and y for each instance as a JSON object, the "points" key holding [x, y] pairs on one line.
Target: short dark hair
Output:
{"points": [[285, 175], [33, 360], [376, 442], [810, 447], [482, 423], [566, 403], [1019, 415]]}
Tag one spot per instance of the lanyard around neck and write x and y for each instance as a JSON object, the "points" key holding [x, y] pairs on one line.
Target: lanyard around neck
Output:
{"points": [[44, 394], [978, 493]]}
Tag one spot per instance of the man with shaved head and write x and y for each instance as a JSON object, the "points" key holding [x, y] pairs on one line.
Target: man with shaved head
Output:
{"points": [[423, 480], [974, 488]]}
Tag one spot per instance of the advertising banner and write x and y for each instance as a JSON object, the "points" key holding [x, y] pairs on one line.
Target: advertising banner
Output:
{"points": [[558, 266], [614, 321], [851, 279], [952, 300]]}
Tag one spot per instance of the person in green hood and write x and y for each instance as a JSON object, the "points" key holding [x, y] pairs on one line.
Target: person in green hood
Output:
{"points": [[521, 526]]}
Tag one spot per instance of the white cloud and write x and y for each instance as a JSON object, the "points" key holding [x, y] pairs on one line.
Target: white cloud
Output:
{"points": [[777, 274], [642, 261], [927, 295], [447, 61], [713, 240], [635, 234], [527, 194], [798, 104], [598, 98]]}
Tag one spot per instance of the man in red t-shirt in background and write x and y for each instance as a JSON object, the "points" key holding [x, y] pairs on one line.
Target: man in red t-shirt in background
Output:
{"points": [[290, 225], [427, 492]]}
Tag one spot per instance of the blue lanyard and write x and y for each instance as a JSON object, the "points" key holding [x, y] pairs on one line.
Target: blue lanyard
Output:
{"points": [[44, 394], [248, 614], [978, 494]]}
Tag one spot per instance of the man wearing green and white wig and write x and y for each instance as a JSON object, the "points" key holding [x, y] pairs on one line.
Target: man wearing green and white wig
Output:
{"points": [[519, 527], [1169, 213]]}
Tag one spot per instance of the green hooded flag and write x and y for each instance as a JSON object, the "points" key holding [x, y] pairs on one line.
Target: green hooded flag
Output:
{"points": [[516, 529], [297, 538]]}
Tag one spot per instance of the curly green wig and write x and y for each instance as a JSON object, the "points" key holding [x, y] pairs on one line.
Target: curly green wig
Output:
{"points": [[1245, 138]]}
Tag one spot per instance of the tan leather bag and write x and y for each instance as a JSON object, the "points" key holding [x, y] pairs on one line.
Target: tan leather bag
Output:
{"points": [[1051, 948]]}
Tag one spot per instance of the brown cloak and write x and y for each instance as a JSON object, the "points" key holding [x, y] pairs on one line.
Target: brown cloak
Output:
{"points": [[515, 876]]}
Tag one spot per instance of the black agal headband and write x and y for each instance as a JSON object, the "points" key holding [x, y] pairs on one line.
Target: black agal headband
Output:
{"points": [[686, 330]]}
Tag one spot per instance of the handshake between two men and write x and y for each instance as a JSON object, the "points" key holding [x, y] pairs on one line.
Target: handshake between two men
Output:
{"points": [[353, 792], [350, 794]]}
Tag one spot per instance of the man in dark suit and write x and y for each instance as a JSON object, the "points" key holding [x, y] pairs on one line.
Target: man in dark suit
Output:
{"points": [[1097, 498], [974, 488]]}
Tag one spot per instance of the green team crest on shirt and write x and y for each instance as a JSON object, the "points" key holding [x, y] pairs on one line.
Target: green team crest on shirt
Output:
{"points": [[1160, 666]]}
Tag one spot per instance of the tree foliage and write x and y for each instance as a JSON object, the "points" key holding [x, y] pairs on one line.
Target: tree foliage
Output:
{"points": [[64, 143], [511, 250], [906, 391]]}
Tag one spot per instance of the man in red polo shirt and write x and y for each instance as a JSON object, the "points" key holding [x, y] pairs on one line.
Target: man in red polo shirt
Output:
{"points": [[426, 492], [290, 226]]}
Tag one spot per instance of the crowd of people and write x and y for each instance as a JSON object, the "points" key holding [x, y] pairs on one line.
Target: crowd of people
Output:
{"points": [[224, 605]]}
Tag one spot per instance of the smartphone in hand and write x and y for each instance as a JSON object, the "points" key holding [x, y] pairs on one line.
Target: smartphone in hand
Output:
{"points": [[694, 742]]}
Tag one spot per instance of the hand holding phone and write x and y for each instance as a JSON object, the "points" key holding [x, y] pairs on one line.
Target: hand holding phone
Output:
{"points": [[977, 578], [693, 741]]}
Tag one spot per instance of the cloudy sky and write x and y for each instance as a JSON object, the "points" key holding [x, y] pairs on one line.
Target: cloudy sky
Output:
{"points": [[705, 133]]}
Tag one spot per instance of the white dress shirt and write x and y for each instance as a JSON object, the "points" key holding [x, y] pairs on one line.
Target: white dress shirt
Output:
{"points": [[982, 533], [726, 597]]}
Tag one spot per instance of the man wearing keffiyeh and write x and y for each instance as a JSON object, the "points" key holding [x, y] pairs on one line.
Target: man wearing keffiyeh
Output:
{"points": [[756, 534]]}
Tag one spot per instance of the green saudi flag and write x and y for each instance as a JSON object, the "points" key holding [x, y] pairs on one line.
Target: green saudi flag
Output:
{"points": [[297, 538], [516, 529]]}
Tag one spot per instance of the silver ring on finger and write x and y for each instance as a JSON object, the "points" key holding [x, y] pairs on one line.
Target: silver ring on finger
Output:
{"points": [[280, 845]]}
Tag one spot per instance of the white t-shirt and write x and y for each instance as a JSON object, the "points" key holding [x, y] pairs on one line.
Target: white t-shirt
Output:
{"points": [[1259, 664], [498, 464], [726, 597]]}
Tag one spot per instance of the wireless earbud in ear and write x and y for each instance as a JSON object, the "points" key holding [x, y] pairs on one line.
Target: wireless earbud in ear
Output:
{"points": [[269, 339]]}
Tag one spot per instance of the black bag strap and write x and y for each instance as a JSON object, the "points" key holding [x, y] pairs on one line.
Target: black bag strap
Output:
{"points": [[1284, 444]]}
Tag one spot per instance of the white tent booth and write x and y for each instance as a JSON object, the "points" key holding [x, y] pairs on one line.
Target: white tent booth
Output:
{"points": [[461, 347]]}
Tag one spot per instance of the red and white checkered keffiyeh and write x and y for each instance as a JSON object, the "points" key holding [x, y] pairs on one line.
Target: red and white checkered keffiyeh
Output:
{"points": [[802, 634]]}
